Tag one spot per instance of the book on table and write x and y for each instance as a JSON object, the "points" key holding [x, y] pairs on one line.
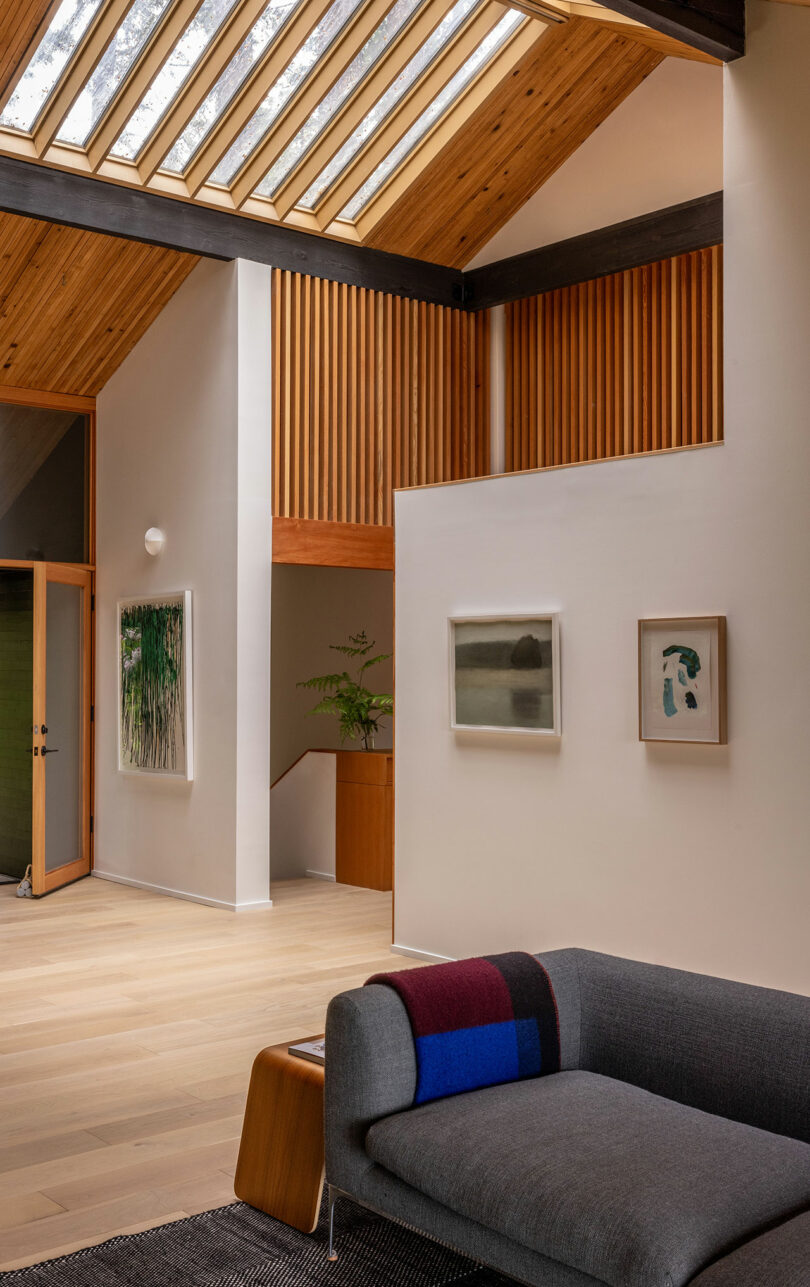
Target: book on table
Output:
{"points": [[314, 1051]]}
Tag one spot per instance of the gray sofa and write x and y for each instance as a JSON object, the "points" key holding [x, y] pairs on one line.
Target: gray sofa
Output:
{"points": [[673, 1146]]}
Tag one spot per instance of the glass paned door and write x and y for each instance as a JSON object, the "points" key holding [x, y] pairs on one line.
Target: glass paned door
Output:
{"points": [[16, 706], [61, 724]]}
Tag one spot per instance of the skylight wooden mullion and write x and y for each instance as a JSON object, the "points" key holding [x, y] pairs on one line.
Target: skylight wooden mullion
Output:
{"points": [[125, 102], [31, 27], [392, 129], [423, 23], [216, 58], [348, 44], [253, 92], [78, 71], [407, 172]]}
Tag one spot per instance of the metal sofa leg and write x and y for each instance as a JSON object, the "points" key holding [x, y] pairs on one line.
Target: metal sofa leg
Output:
{"points": [[333, 1197]]}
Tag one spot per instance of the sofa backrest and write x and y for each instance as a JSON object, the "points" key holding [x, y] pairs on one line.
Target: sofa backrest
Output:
{"points": [[728, 1048]]}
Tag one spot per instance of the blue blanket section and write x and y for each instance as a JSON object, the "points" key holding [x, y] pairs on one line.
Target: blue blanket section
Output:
{"points": [[468, 1058]]}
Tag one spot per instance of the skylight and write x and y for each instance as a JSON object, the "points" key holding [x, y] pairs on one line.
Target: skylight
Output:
{"points": [[444, 32], [57, 46], [263, 31], [172, 76], [116, 63], [452, 90], [376, 45], [313, 48]]}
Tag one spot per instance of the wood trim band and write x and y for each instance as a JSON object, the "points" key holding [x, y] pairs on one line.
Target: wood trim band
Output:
{"points": [[676, 230], [335, 545], [50, 401]]}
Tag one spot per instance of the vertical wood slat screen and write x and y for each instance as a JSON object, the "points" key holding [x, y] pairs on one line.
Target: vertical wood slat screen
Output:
{"points": [[622, 364], [371, 392]]}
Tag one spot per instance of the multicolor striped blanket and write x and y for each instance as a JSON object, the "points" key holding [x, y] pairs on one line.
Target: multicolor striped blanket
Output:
{"points": [[480, 1022]]}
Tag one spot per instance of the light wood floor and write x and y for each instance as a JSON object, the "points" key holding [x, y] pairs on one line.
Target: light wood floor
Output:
{"points": [[129, 1024]]}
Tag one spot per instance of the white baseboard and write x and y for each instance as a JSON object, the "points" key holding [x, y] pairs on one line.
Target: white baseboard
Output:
{"points": [[180, 893], [320, 875], [420, 956]]}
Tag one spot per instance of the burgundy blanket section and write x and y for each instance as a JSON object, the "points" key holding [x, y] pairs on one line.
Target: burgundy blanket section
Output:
{"points": [[458, 994]]}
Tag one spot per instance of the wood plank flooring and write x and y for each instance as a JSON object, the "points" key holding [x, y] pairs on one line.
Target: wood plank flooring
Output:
{"points": [[129, 1025]]}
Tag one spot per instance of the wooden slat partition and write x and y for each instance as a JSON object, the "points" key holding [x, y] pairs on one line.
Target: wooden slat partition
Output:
{"points": [[371, 392], [626, 363]]}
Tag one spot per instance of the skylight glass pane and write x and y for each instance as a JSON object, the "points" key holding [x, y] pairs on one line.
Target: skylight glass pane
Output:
{"points": [[437, 108], [263, 31], [116, 63], [296, 71], [408, 77], [172, 76], [60, 41], [377, 43]]}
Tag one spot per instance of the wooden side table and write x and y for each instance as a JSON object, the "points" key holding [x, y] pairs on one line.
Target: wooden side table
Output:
{"points": [[281, 1163]]}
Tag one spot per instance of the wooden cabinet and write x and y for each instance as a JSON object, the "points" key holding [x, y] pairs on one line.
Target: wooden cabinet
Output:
{"points": [[364, 853]]}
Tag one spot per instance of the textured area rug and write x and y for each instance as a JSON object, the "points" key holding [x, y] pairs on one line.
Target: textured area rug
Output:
{"points": [[236, 1246]]}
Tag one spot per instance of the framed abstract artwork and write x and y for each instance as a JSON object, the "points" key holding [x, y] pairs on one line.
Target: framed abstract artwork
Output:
{"points": [[155, 725], [505, 674], [682, 680]]}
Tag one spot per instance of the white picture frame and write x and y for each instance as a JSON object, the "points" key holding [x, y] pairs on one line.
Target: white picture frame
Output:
{"points": [[169, 751], [491, 691], [682, 680]]}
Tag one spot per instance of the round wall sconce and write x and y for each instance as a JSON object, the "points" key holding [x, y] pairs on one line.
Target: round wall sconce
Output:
{"points": [[154, 541]]}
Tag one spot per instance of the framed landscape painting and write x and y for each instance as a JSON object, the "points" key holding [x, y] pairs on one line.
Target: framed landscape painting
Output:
{"points": [[682, 679], [155, 727], [505, 674]]}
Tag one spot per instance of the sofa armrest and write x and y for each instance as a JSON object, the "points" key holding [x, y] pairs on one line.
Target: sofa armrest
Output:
{"points": [[370, 1073], [371, 1066]]}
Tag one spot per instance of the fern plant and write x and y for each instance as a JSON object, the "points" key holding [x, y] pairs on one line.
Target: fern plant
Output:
{"points": [[358, 709]]}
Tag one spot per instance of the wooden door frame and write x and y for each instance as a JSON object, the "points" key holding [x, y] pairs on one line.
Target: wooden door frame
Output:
{"points": [[44, 881], [86, 406]]}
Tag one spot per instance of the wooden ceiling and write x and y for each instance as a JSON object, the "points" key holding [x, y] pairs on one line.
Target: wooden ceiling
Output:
{"points": [[565, 86], [559, 70], [73, 304]]}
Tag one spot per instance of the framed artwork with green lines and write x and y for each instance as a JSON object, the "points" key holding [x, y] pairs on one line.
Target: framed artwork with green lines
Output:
{"points": [[155, 717]]}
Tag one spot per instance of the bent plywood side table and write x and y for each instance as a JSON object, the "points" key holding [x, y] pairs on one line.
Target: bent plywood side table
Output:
{"points": [[281, 1159]]}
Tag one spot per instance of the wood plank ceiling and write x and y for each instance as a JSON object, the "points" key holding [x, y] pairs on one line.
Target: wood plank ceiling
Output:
{"points": [[73, 304], [354, 119]]}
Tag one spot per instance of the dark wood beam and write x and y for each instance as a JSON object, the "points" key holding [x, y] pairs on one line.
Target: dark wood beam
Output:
{"points": [[58, 196], [333, 545], [693, 225], [716, 27]]}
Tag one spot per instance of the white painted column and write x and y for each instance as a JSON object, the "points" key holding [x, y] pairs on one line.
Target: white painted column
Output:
{"points": [[254, 521]]}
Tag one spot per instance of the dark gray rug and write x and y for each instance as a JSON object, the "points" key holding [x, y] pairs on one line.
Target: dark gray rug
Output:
{"points": [[236, 1246]]}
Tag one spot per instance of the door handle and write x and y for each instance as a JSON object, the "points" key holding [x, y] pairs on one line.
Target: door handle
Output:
{"points": [[50, 750]]}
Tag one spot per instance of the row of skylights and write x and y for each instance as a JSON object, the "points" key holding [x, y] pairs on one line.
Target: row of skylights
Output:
{"points": [[74, 19]]}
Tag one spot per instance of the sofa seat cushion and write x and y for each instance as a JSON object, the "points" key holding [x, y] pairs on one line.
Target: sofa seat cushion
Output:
{"points": [[634, 1189], [778, 1258]]}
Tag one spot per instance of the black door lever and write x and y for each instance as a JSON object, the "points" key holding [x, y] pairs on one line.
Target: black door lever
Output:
{"points": [[49, 750]]}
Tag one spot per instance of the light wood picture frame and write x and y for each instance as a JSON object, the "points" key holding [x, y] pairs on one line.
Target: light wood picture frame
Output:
{"points": [[155, 707], [682, 687], [505, 674]]}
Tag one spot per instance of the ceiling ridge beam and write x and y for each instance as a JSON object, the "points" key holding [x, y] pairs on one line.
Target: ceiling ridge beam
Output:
{"points": [[716, 27], [81, 201], [646, 239]]}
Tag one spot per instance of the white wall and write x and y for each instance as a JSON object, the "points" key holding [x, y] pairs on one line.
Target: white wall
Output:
{"points": [[692, 856], [662, 145], [303, 809], [184, 445], [314, 607]]}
